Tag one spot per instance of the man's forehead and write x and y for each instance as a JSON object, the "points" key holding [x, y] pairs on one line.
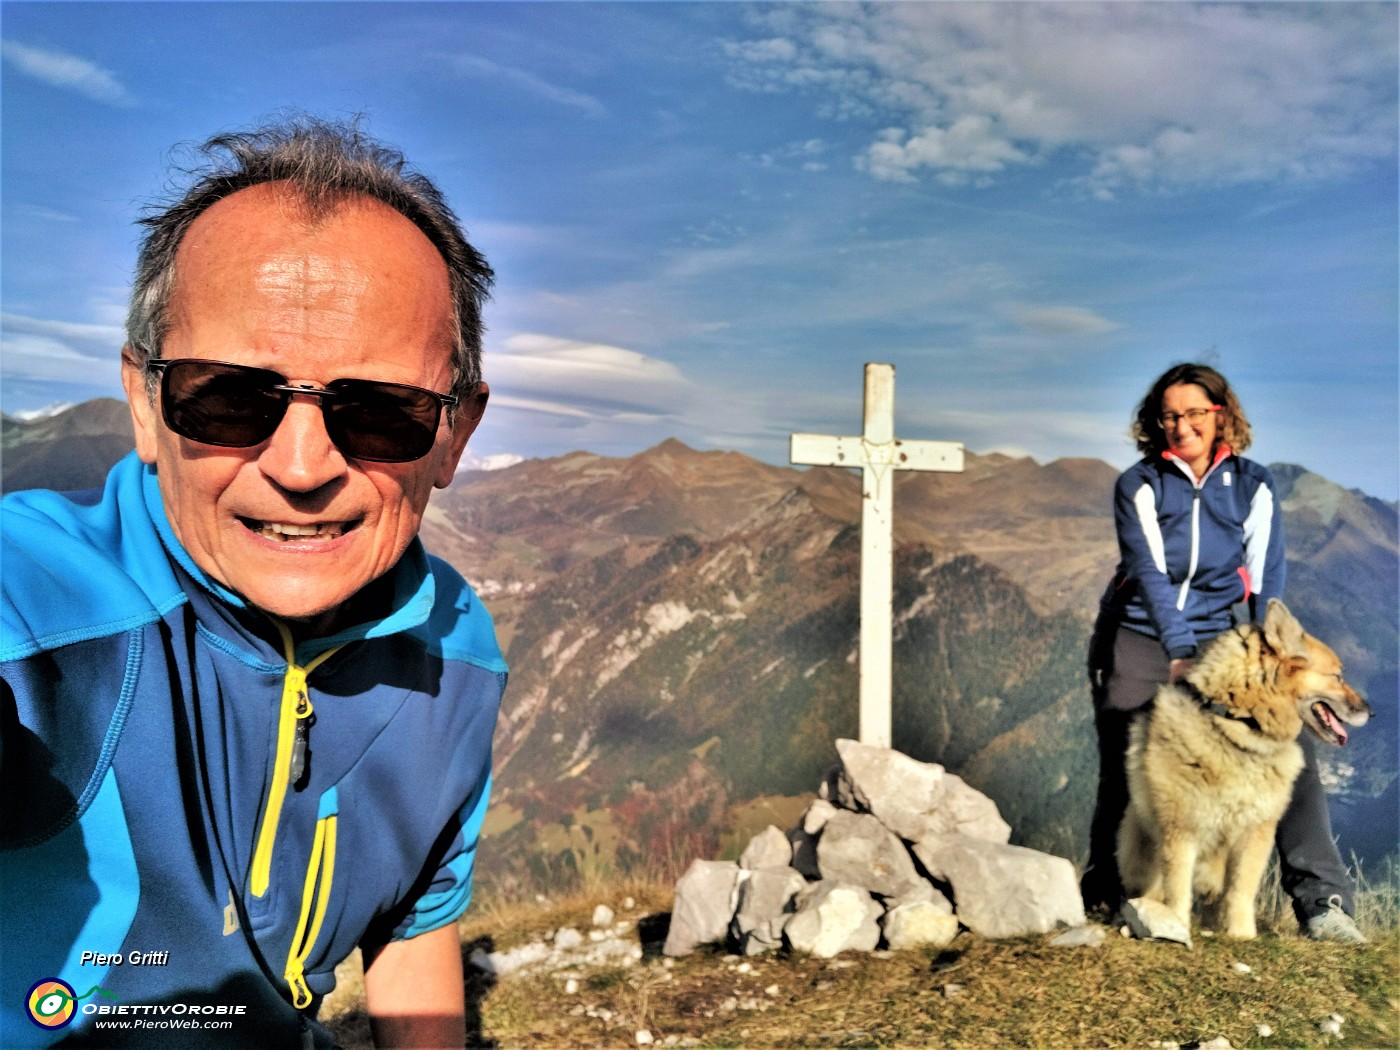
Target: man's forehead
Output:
{"points": [[261, 248], [271, 230], [280, 210]]}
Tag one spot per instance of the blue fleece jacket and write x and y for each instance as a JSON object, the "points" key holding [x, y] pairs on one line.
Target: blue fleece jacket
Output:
{"points": [[1190, 551], [186, 836]]}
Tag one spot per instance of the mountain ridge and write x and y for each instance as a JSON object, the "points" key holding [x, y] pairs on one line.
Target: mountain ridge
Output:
{"points": [[1038, 546]]}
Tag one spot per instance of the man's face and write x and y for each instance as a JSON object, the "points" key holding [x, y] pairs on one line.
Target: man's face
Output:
{"points": [[362, 295]]}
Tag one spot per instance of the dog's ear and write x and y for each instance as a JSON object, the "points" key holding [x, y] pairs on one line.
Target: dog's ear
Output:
{"points": [[1285, 635]]}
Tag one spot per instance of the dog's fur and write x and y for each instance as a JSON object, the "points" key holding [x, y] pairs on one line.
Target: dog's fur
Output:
{"points": [[1211, 765]]}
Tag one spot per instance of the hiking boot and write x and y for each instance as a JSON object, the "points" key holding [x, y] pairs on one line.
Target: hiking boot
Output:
{"points": [[1102, 892], [1334, 924], [1105, 913]]}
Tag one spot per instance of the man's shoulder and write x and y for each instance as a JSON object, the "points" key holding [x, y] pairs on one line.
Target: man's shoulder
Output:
{"points": [[80, 566], [460, 627]]}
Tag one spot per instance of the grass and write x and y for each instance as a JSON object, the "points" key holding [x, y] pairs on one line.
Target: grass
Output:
{"points": [[974, 994]]}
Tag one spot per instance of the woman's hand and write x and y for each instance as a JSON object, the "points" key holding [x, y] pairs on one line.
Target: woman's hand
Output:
{"points": [[1178, 669]]}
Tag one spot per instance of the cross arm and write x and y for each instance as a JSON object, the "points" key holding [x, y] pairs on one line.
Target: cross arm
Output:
{"points": [[821, 450]]}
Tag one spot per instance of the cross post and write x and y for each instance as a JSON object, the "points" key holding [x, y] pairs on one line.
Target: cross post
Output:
{"points": [[878, 454]]}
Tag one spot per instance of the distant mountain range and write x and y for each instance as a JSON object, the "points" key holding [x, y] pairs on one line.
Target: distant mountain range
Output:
{"points": [[682, 628], [67, 450]]}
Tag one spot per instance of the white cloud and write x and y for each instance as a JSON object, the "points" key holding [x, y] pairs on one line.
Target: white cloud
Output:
{"points": [[1035, 427], [112, 336], [513, 234], [1062, 320], [585, 381], [484, 68], [67, 72], [805, 154], [969, 144], [35, 357], [60, 352], [1134, 95], [45, 214]]}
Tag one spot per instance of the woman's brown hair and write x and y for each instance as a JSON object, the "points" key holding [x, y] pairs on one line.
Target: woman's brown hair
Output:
{"points": [[1233, 427]]}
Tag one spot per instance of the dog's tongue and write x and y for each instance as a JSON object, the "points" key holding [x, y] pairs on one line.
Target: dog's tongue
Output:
{"points": [[1331, 721]]}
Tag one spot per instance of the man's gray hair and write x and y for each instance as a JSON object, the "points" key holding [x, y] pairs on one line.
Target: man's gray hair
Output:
{"points": [[325, 164]]}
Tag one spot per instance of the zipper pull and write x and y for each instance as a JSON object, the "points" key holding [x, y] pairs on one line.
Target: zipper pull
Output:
{"points": [[296, 979], [297, 771]]}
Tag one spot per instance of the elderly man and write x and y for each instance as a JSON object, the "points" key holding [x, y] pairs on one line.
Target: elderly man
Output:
{"points": [[246, 719]]}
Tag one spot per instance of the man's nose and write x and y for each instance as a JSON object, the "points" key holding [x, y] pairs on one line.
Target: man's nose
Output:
{"points": [[300, 455]]}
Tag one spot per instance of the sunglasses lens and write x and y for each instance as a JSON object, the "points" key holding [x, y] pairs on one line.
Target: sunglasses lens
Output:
{"points": [[228, 405], [381, 422], [235, 406]]}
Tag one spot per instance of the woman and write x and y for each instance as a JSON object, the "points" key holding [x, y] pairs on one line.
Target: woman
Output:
{"points": [[1200, 537]]}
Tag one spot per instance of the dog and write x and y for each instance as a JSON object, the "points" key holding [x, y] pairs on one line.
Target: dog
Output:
{"points": [[1211, 765]]}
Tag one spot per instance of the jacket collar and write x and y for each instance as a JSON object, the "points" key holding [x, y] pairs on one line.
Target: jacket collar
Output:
{"points": [[1222, 453]]}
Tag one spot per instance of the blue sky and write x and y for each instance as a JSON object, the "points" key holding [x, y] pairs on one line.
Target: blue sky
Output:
{"points": [[706, 217]]}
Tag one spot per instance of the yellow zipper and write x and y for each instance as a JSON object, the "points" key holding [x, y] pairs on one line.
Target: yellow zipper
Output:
{"points": [[294, 718], [320, 871]]}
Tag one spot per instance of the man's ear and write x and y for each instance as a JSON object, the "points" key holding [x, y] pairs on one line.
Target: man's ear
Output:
{"points": [[143, 413], [469, 414]]}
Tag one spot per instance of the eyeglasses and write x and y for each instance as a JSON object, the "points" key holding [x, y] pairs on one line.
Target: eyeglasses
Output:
{"points": [[235, 406], [1194, 416]]}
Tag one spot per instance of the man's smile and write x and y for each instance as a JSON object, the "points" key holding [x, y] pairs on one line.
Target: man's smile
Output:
{"points": [[285, 531]]}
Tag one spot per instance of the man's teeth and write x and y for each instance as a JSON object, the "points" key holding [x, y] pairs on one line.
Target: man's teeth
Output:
{"points": [[276, 530]]}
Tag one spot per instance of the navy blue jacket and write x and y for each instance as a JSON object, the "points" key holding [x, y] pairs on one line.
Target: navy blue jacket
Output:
{"points": [[1190, 551], [157, 852]]}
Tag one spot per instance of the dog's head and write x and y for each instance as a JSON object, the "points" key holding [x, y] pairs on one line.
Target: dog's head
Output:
{"points": [[1312, 673]]}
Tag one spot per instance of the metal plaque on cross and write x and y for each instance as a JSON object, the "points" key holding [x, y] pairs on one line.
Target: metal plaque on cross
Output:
{"points": [[877, 454]]}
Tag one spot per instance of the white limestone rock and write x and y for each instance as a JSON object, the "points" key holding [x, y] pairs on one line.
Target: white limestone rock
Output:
{"points": [[765, 902], [1080, 937], [925, 892], [858, 849], [768, 849], [706, 896], [832, 918], [1153, 920], [1001, 890], [915, 800], [816, 816], [919, 923]]}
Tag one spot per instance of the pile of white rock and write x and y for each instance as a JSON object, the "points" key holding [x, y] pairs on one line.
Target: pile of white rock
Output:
{"points": [[610, 942], [893, 852]]}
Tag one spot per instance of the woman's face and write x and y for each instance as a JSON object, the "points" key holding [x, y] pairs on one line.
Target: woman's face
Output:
{"points": [[1190, 440]]}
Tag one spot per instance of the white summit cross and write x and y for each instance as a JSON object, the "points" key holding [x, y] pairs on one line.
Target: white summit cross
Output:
{"points": [[878, 455]]}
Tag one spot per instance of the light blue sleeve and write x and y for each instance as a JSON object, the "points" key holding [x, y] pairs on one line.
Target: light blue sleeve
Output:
{"points": [[450, 891]]}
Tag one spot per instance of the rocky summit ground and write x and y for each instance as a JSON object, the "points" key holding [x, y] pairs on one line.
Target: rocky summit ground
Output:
{"points": [[568, 973]]}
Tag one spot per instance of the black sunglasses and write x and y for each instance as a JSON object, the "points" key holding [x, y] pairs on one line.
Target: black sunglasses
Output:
{"points": [[235, 406]]}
